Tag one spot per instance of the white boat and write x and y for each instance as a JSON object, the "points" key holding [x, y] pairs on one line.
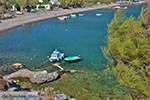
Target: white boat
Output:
{"points": [[98, 14], [63, 17], [80, 14], [73, 15], [117, 7], [56, 56], [125, 7]]}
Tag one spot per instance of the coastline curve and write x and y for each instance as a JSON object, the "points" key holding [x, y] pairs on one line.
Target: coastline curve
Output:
{"points": [[19, 21]]}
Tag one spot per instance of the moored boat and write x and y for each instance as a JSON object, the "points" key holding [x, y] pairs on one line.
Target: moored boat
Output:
{"points": [[81, 14], [56, 56], [72, 58], [73, 15], [125, 7], [63, 17], [117, 7], [98, 14]]}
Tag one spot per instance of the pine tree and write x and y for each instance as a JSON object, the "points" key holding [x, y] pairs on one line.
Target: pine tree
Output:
{"points": [[129, 45]]}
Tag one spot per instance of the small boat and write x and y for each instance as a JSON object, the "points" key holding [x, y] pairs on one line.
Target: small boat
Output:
{"points": [[73, 15], [98, 14], [63, 17], [117, 7], [56, 56], [80, 14], [72, 58], [125, 7]]}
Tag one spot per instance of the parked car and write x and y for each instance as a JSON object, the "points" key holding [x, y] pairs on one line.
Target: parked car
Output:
{"points": [[19, 13]]}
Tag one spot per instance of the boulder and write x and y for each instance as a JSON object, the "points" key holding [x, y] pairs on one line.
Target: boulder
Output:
{"points": [[17, 66]]}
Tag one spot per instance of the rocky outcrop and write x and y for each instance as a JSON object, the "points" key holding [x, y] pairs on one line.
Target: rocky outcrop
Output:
{"points": [[34, 77], [38, 77]]}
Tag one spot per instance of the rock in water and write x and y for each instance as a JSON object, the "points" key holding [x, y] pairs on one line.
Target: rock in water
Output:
{"points": [[17, 66]]}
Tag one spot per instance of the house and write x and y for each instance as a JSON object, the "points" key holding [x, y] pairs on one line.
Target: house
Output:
{"points": [[47, 6]]}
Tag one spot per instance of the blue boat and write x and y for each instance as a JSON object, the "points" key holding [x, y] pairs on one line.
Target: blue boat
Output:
{"points": [[56, 56], [72, 58]]}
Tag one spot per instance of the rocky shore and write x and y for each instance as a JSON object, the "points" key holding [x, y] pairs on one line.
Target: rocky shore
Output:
{"points": [[11, 90]]}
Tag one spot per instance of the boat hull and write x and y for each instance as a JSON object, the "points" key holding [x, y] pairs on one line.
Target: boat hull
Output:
{"points": [[72, 58]]}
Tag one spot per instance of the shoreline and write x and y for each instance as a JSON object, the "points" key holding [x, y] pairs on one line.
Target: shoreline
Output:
{"points": [[29, 18], [21, 20]]}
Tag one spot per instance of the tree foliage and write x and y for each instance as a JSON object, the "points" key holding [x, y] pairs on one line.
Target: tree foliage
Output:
{"points": [[5, 5], [24, 3], [129, 45], [45, 1], [83, 2]]}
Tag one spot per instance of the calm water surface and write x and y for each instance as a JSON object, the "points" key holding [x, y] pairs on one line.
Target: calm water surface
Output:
{"points": [[76, 36]]}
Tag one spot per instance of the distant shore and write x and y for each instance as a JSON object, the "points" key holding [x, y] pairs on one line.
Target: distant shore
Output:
{"points": [[28, 18], [35, 17]]}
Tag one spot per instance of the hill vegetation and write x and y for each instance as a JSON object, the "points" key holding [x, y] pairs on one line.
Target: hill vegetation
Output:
{"points": [[129, 47]]}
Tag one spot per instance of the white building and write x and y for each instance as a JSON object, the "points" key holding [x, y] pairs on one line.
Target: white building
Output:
{"points": [[50, 1], [40, 1], [47, 6]]}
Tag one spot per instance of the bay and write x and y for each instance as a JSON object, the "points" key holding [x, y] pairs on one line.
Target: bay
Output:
{"points": [[31, 44]]}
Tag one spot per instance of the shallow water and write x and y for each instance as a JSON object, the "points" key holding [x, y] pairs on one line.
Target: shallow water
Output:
{"points": [[31, 44]]}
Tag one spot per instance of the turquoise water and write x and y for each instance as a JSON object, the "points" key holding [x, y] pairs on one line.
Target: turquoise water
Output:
{"points": [[76, 36]]}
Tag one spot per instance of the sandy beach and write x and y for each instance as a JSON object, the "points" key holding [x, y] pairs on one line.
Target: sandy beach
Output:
{"points": [[34, 17]]}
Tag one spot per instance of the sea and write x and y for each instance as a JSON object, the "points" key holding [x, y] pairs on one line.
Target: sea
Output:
{"points": [[85, 35]]}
